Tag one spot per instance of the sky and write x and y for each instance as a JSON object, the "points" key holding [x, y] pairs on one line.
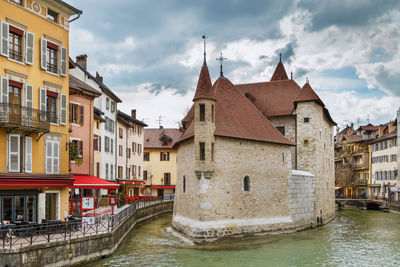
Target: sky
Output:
{"points": [[150, 52]]}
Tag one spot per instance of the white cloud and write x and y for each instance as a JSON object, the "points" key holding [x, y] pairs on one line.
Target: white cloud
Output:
{"points": [[169, 104]]}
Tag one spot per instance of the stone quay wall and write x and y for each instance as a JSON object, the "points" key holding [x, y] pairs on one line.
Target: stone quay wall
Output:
{"points": [[302, 198], [79, 250]]}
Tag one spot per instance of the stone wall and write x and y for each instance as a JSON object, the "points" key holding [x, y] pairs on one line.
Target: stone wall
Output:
{"points": [[289, 122], [315, 154], [218, 206], [302, 198], [79, 250]]}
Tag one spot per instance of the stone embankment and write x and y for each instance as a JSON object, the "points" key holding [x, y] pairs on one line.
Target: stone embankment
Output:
{"points": [[82, 248]]}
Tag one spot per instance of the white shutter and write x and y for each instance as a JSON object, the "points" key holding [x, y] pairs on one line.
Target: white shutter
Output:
{"points": [[42, 104], [63, 109], [29, 105], [4, 90], [43, 53], [4, 29], [49, 156], [56, 155], [30, 48], [13, 153], [28, 154], [63, 61]]}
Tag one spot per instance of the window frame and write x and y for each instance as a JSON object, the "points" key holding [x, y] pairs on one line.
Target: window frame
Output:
{"points": [[244, 189]]}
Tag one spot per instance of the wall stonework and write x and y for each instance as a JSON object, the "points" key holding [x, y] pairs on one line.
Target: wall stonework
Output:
{"points": [[316, 155]]}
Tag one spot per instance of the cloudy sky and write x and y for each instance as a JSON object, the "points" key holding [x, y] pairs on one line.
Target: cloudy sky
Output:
{"points": [[150, 52]]}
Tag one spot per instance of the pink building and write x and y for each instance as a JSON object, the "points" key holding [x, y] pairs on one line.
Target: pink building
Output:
{"points": [[81, 99]]}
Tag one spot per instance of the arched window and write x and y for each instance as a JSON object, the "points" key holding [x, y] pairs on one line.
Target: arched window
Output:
{"points": [[246, 184], [184, 184]]}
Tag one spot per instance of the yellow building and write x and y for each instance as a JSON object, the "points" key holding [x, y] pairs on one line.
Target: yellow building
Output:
{"points": [[34, 90], [159, 161]]}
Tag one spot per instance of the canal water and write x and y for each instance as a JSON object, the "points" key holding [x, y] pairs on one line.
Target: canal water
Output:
{"points": [[354, 238]]}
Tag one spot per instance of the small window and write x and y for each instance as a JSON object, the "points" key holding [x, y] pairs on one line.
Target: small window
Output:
{"points": [[145, 175], [306, 142], [202, 112], [246, 184], [164, 156], [121, 133], [184, 184], [112, 106], [107, 103], [146, 156], [306, 120], [51, 15], [202, 151], [212, 113], [281, 129], [212, 151]]}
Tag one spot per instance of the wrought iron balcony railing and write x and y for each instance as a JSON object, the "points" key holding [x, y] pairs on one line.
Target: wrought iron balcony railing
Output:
{"points": [[23, 118]]}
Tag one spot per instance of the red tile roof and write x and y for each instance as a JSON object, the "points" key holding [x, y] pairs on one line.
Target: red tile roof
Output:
{"points": [[237, 117], [385, 137], [152, 137], [353, 138], [308, 94], [204, 87], [279, 73], [272, 98], [369, 127]]}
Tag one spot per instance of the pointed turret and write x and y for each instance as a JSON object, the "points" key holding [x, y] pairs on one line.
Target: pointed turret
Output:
{"points": [[308, 94], [204, 87], [280, 72]]}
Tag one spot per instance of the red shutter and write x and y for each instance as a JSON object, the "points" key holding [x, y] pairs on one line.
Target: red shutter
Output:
{"points": [[81, 115]]}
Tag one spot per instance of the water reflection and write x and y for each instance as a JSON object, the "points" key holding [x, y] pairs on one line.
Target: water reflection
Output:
{"points": [[354, 238]]}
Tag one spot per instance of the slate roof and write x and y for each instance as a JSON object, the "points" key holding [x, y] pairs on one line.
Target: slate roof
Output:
{"points": [[125, 118], [101, 85], [153, 137], [76, 84]]}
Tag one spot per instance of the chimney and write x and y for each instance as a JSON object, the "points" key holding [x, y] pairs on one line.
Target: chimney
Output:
{"points": [[82, 61], [161, 129], [99, 78], [392, 127], [133, 113], [380, 130]]}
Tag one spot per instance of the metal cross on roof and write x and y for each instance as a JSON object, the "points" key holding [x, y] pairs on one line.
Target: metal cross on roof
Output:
{"points": [[204, 38], [221, 58]]}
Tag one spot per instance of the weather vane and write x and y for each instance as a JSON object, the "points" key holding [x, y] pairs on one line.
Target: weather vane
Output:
{"points": [[204, 38], [221, 58]]}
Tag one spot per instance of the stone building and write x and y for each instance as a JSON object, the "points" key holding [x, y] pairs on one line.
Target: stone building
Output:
{"points": [[236, 155]]}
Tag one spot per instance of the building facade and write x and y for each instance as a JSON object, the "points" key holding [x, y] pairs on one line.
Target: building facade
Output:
{"points": [[235, 156], [160, 163], [107, 104], [34, 89]]}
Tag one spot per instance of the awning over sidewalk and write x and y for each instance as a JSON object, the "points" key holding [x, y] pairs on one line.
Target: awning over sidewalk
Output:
{"points": [[130, 182], [92, 182], [35, 181]]}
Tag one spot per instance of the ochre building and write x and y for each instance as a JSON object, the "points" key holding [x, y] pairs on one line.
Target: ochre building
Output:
{"points": [[34, 100]]}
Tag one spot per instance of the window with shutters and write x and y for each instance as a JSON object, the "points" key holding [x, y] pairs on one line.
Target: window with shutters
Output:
{"points": [[106, 144], [167, 178], [164, 156], [52, 156], [112, 146], [121, 132], [51, 106], [146, 156], [120, 151], [52, 58], [134, 171], [145, 175], [14, 153], [106, 170], [120, 170], [139, 171], [15, 44], [96, 140]]}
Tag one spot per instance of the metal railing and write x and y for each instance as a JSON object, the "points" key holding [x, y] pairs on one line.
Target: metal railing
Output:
{"points": [[12, 115], [28, 234]]}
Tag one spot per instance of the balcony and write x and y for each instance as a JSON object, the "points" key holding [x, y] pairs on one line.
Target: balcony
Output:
{"points": [[361, 182], [23, 118]]}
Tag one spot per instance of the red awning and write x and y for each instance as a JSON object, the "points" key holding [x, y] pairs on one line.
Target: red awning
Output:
{"points": [[35, 181], [162, 187], [92, 182]]}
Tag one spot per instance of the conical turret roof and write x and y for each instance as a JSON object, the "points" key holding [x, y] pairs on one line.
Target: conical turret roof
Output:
{"points": [[279, 73], [204, 88], [308, 94]]}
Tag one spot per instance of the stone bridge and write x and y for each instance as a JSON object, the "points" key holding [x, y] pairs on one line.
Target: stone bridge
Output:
{"points": [[369, 204]]}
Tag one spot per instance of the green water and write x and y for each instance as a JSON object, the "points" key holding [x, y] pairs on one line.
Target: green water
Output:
{"points": [[354, 238]]}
